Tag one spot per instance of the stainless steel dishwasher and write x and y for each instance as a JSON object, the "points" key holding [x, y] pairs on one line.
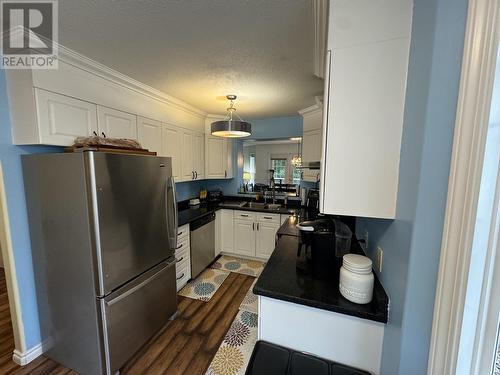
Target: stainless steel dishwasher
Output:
{"points": [[202, 243]]}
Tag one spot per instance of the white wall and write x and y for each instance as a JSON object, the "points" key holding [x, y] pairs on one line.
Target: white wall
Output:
{"points": [[263, 154]]}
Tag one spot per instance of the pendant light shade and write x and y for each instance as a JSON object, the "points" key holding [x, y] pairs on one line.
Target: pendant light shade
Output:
{"points": [[230, 127]]}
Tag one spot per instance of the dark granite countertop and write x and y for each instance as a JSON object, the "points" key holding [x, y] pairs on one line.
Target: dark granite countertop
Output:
{"points": [[187, 215], [281, 280], [190, 214]]}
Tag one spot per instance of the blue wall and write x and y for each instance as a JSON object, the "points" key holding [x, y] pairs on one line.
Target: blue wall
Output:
{"points": [[11, 162], [412, 242], [276, 127]]}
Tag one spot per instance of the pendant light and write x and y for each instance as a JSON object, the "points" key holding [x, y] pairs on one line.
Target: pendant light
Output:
{"points": [[297, 159], [229, 127]]}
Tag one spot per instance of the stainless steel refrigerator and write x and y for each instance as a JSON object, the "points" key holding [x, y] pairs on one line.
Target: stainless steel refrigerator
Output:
{"points": [[103, 232]]}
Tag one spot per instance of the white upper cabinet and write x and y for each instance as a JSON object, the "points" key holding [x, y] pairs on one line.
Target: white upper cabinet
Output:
{"points": [[149, 134], [367, 64], [171, 143], [116, 124], [61, 119], [215, 157], [187, 159], [199, 155], [356, 22]]}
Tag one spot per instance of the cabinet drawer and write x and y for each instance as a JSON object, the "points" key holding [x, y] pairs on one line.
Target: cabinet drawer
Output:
{"points": [[244, 215], [268, 218], [183, 266], [182, 254], [181, 246], [182, 232], [182, 278]]}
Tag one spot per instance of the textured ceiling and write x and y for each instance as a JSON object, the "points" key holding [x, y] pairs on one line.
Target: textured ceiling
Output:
{"points": [[201, 50]]}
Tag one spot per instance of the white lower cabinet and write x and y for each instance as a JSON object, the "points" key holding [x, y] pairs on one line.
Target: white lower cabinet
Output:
{"points": [[226, 231], [183, 257], [244, 237], [266, 239], [253, 234]]}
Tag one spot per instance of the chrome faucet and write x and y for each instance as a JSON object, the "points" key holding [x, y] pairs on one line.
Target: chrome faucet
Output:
{"points": [[272, 185]]}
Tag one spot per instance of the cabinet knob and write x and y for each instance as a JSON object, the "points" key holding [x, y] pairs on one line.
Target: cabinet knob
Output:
{"points": [[95, 133], [180, 277], [104, 135]]}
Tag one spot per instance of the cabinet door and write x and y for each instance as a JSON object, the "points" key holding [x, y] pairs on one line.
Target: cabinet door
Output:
{"points": [[363, 146], [187, 159], [244, 237], [149, 134], [215, 157], [171, 143], [311, 146], [266, 239], [61, 119], [199, 155], [116, 124], [227, 231], [229, 158]]}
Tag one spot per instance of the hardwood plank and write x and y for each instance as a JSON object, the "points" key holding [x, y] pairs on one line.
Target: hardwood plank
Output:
{"points": [[168, 354], [183, 359]]}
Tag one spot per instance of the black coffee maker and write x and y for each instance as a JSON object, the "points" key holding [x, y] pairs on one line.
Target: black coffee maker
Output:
{"points": [[322, 244]]}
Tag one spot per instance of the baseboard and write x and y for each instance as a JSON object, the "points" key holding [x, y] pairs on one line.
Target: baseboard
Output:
{"points": [[23, 358]]}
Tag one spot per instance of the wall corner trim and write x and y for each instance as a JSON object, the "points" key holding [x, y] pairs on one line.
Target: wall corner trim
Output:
{"points": [[471, 127], [23, 358]]}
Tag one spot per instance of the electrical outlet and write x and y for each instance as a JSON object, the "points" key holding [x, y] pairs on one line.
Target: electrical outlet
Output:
{"points": [[379, 259], [366, 240]]}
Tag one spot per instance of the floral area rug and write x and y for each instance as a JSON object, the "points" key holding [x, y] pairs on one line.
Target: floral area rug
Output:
{"points": [[239, 265], [205, 285], [234, 353], [250, 302]]}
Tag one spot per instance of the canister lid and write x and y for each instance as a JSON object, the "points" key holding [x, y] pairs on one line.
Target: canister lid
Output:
{"points": [[357, 263]]}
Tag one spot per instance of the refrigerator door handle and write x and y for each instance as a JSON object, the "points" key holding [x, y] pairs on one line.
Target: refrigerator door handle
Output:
{"points": [[172, 224]]}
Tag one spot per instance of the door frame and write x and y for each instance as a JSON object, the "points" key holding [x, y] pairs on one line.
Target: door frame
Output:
{"points": [[474, 101], [11, 276]]}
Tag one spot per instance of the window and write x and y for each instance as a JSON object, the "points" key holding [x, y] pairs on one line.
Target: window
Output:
{"points": [[297, 174], [279, 166], [252, 168]]}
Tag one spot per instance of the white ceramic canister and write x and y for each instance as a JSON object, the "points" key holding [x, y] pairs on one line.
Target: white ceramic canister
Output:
{"points": [[356, 278]]}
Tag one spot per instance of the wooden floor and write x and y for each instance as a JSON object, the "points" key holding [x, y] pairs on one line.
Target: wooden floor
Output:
{"points": [[186, 345]]}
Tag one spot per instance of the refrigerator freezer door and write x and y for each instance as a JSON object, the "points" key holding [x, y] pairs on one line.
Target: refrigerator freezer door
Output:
{"points": [[134, 313], [131, 217]]}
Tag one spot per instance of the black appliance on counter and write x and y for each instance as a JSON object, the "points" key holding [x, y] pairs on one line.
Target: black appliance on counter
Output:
{"points": [[322, 244], [215, 196]]}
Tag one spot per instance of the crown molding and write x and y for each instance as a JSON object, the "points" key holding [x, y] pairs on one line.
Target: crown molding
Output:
{"points": [[312, 109], [80, 61]]}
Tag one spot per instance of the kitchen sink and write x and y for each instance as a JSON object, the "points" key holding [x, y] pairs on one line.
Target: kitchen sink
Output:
{"points": [[273, 206], [235, 204], [255, 205], [264, 206]]}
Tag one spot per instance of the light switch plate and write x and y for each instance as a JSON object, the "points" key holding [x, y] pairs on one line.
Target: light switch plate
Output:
{"points": [[379, 259]]}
